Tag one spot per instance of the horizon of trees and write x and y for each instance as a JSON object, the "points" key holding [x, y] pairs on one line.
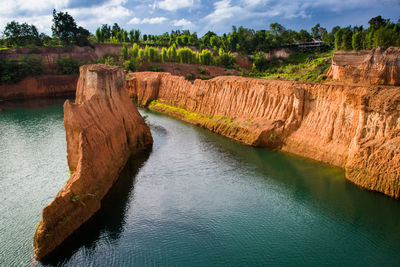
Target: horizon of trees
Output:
{"points": [[381, 32]]}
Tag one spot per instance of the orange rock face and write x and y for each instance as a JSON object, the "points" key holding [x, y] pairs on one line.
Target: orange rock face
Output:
{"points": [[45, 85], [353, 127], [377, 66], [103, 129]]}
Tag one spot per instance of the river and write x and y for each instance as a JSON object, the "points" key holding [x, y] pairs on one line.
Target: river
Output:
{"points": [[195, 199]]}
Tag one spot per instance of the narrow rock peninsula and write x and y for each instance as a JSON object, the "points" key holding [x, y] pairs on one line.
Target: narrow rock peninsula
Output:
{"points": [[354, 127], [103, 130]]}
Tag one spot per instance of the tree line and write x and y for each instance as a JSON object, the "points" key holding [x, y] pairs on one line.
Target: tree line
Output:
{"points": [[381, 32]]}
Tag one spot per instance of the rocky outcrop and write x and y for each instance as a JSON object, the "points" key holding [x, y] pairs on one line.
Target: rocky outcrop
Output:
{"points": [[353, 127], [41, 86], [377, 67], [103, 129]]}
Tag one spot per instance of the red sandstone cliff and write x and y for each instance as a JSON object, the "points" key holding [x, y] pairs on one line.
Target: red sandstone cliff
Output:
{"points": [[353, 127], [103, 130], [377, 66], [41, 86]]}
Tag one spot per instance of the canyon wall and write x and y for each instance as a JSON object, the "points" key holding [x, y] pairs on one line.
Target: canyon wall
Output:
{"points": [[103, 130], [41, 86], [350, 126], [376, 67]]}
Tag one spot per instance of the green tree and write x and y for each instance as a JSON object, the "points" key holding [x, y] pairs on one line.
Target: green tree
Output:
{"points": [[206, 57], [17, 34], [357, 41], [164, 55], [347, 39], [304, 36], [378, 22], [64, 27], [260, 62], [172, 53], [81, 37], [133, 51], [115, 30]]}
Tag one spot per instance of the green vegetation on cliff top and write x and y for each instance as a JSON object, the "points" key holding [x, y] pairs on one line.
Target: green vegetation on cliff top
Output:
{"points": [[299, 67], [306, 63]]}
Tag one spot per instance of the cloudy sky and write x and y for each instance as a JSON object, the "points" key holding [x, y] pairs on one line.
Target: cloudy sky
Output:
{"points": [[158, 16]]}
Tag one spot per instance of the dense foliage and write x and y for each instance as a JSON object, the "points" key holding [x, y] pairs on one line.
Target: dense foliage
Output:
{"points": [[299, 66], [65, 29], [183, 55], [17, 34], [67, 65], [381, 32], [14, 70], [209, 49]]}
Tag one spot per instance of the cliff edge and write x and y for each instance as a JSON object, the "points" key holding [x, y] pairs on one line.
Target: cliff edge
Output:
{"points": [[103, 130], [376, 67], [354, 127]]}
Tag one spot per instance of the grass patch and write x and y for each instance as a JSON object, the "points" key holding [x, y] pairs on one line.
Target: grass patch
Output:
{"points": [[300, 66], [75, 198], [187, 115]]}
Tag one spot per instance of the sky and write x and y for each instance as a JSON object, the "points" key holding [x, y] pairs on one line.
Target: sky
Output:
{"points": [[159, 16]]}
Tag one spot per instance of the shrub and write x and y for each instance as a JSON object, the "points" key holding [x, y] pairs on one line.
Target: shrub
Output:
{"points": [[206, 57], [67, 65], [260, 62], [226, 59], [132, 64], [14, 70], [205, 77], [190, 77], [133, 51], [203, 71], [186, 56], [155, 68]]}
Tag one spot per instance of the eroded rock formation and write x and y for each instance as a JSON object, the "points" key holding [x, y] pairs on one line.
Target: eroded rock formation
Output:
{"points": [[377, 66], [103, 129], [353, 127]]}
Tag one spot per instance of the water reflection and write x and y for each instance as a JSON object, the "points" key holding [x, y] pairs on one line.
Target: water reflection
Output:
{"points": [[325, 189], [35, 103], [108, 221]]}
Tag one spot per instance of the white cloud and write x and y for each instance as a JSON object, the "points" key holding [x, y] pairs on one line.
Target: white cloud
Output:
{"points": [[155, 20], [93, 16], [134, 21], [172, 5], [15, 6], [223, 10], [182, 23]]}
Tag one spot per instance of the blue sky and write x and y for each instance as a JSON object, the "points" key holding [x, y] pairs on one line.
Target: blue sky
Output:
{"points": [[158, 16]]}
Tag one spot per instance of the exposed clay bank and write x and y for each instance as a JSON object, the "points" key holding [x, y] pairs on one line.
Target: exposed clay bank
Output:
{"points": [[354, 127], [40, 87]]}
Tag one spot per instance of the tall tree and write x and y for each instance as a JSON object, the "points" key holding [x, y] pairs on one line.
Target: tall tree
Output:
{"points": [[64, 27], [17, 34]]}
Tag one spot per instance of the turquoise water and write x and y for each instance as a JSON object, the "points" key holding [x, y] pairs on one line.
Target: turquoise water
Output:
{"points": [[196, 199]]}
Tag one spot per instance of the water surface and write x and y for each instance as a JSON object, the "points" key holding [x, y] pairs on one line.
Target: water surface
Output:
{"points": [[196, 199]]}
